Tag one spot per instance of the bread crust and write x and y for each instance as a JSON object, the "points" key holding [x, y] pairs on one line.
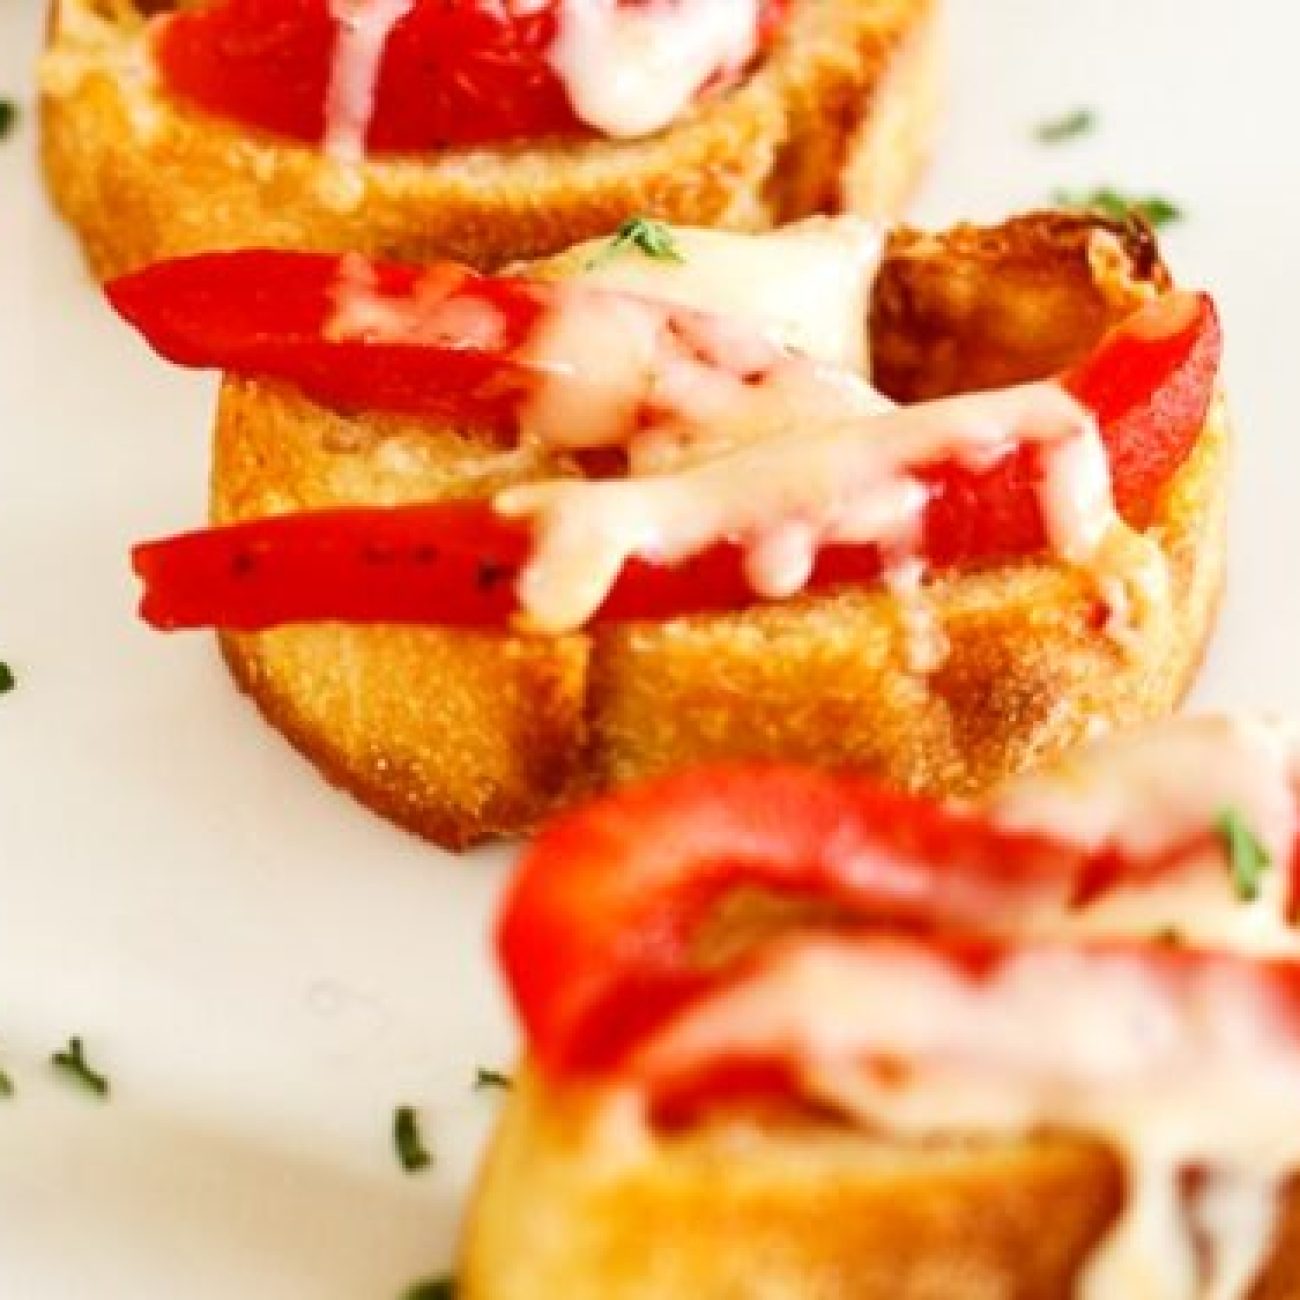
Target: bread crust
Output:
{"points": [[840, 112], [567, 1206], [461, 736]]}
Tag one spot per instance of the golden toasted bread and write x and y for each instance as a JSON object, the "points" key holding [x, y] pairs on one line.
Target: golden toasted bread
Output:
{"points": [[838, 116], [796, 1209], [462, 735]]}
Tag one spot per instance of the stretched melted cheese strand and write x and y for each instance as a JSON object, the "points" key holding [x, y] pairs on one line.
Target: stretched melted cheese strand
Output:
{"points": [[1156, 791], [851, 482], [1179, 1062], [364, 29], [632, 70]]}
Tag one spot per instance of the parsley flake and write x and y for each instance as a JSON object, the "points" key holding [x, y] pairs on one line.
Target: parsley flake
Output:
{"points": [[1247, 858], [653, 239], [1109, 202], [8, 117], [1068, 127], [71, 1062], [7, 679], [412, 1154], [6, 1086], [491, 1079], [433, 1288]]}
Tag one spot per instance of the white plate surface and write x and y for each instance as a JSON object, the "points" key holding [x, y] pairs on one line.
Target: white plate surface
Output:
{"points": [[264, 969]]}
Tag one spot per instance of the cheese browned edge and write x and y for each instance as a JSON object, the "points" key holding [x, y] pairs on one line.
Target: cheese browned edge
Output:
{"points": [[462, 736], [839, 115]]}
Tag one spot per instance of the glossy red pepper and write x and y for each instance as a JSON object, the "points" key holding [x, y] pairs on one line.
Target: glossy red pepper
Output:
{"points": [[469, 73], [603, 928], [1150, 381]]}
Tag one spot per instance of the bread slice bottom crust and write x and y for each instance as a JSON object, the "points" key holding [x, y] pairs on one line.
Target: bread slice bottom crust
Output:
{"points": [[839, 115], [808, 1210], [464, 735]]}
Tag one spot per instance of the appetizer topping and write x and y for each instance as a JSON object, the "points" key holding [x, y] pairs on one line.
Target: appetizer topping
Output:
{"points": [[966, 480], [8, 117], [618, 894], [7, 679], [7, 1089], [652, 238], [1068, 127], [484, 1078], [1247, 856], [409, 76], [1112, 203], [1230, 781], [631, 70], [926, 970], [807, 286], [783, 498], [445, 342], [668, 386], [408, 1141], [364, 29], [1182, 1061], [434, 1288], [71, 1062]]}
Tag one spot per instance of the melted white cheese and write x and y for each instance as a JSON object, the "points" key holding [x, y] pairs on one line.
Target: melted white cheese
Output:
{"points": [[632, 70], [775, 337], [1200, 1071], [1158, 791], [430, 315], [807, 286], [617, 371], [800, 488], [363, 31]]}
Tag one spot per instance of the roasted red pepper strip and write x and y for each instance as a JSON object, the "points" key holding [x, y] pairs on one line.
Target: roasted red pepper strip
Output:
{"points": [[599, 927], [268, 314], [472, 72], [1152, 378], [600, 936]]}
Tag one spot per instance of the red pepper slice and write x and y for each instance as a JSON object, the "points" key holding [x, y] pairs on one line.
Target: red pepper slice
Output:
{"points": [[267, 315], [468, 73], [602, 917], [601, 930], [1152, 378]]}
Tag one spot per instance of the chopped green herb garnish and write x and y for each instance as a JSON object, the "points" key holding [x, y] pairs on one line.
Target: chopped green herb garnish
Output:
{"points": [[72, 1063], [7, 679], [1247, 858], [408, 1141], [491, 1079], [1111, 203], [652, 238], [6, 1086], [8, 117], [434, 1288], [1068, 127]]}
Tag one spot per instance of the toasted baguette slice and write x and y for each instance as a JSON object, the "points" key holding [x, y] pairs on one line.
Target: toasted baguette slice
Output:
{"points": [[838, 116], [801, 1209], [463, 735]]}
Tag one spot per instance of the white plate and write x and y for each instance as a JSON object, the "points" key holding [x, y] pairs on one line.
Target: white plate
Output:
{"points": [[264, 969]]}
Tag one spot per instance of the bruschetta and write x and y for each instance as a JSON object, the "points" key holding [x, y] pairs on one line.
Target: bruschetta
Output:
{"points": [[482, 131], [483, 545], [790, 1035]]}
